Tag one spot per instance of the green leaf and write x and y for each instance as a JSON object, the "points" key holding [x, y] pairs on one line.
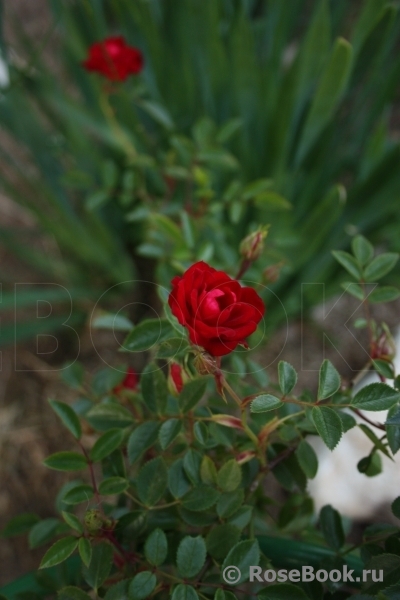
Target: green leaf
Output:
{"points": [[229, 476], [264, 403], [385, 293], [354, 289], [287, 377], [97, 199], [106, 444], [348, 262], [142, 585], [100, 565], [141, 439], [328, 425], [370, 465], [374, 439], [221, 539], [307, 459], [168, 432], [188, 229], [43, 531], [119, 591], [154, 388], [393, 417], [326, 99], [73, 376], [376, 396], [184, 592], [393, 429], [200, 431], [396, 507], [242, 517], [191, 464], [208, 471], [191, 555], [68, 417], [243, 555], [390, 565], [362, 249], [72, 521], [66, 461], [72, 593], [79, 493], [147, 334], [229, 503], [19, 525], [383, 368], [158, 112], [85, 551], [105, 380], [59, 552], [273, 200], [200, 498], [282, 591], [178, 483], [113, 485], [173, 347], [152, 481], [229, 129], [380, 266], [331, 526], [329, 380], [197, 519], [108, 416], [156, 547], [256, 187], [112, 322], [192, 393]]}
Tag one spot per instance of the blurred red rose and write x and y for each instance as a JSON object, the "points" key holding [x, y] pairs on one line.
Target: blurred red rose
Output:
{"points": [[130, 382], [217, 311], [177, 377], [114, 59]]}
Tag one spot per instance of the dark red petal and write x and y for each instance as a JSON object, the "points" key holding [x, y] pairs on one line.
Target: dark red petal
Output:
{"points": [[251, 297]]}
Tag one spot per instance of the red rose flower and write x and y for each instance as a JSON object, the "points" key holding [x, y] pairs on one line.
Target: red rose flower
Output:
{"points": [[114, 59], [130, 382], [216, 310]]}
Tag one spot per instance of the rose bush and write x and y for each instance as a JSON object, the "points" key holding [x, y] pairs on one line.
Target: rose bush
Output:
{"points": [[173, 492], [114, 59], [217, 311]]}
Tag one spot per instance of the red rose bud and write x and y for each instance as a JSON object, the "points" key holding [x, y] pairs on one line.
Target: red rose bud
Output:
{"points": [[114, 59], [272, 273], [177, 378], [252, 245], [228, 421], [217, 311], [245, 456], [130, 382]]}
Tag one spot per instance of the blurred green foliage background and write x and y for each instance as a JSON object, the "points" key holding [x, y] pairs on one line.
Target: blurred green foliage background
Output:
{"points": [[281, 112]]}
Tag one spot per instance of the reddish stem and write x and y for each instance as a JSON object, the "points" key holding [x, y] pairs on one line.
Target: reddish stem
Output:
{"points": [[362, 416], [92, 477], [246, 264]]}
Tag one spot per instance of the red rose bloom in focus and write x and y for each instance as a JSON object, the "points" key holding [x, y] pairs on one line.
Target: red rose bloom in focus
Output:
{"points": [[114, 59], [130, 382], [216, 310]]}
